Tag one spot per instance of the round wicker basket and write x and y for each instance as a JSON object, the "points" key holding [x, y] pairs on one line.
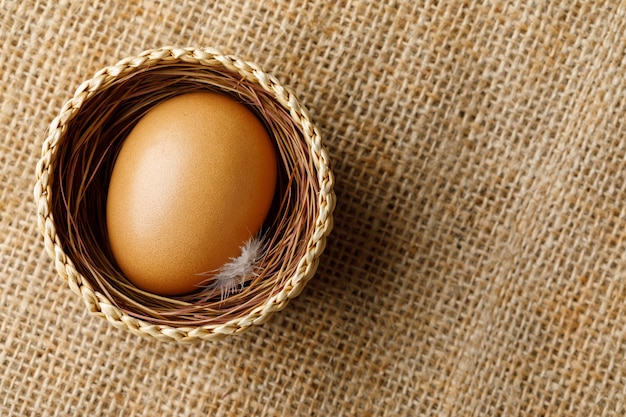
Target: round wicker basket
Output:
{"points": [[73, 172]]}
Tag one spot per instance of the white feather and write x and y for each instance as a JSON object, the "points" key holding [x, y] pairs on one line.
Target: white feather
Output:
{"points": [[232, 276]]}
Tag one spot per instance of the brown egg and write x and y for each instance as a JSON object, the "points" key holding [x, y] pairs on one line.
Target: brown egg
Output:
{"points": [[192, 183]]}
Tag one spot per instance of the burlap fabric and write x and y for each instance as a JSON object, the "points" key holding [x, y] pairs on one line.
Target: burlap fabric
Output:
{"points": [[478, 261]]}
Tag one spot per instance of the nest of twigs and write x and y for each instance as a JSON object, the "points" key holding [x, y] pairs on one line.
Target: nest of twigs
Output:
{"points": [[77, 160]]}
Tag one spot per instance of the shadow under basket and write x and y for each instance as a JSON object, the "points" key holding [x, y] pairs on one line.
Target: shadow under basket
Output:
{"points": [[73, 174]]}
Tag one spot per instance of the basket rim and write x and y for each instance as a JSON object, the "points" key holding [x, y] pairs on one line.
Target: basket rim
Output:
{"points": [[96, 302]]}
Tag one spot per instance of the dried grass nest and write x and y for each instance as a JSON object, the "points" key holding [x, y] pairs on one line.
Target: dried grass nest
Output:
{"points": [[77, 158]]}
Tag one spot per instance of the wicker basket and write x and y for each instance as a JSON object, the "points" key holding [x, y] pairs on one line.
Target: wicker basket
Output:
{"points": [[184, 69]]}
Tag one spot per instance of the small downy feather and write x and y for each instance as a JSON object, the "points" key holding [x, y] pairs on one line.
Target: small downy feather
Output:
{"points": [[233, 275]]}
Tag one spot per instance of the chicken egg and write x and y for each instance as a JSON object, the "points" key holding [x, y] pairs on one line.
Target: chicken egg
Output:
{"points": [[192, 182]]}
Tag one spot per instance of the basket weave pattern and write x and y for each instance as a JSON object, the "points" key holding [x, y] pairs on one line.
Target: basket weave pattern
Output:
{"points": [[95, 300]]}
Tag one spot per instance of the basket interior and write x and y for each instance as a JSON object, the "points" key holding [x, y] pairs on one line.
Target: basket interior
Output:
{"points": [[84, 160]]}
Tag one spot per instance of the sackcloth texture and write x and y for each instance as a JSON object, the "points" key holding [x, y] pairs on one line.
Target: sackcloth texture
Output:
{"points": [[478, 262]]}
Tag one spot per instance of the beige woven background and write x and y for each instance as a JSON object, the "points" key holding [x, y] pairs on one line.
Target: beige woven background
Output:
{"points": [[478, 262]]}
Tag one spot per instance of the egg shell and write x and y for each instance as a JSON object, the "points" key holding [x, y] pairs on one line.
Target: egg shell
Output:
{"points": [[192, 182]]}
